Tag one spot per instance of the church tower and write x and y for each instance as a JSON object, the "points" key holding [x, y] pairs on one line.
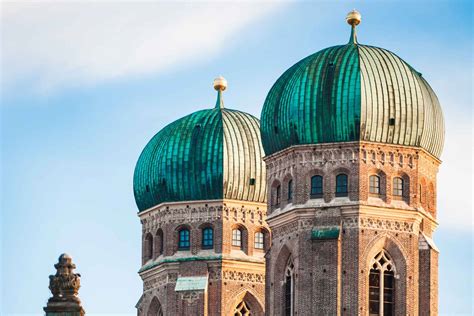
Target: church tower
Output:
{"points": [[352, 136], [200, 187]]}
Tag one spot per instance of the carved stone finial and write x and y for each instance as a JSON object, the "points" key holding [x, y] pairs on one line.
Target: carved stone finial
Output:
{"points": [[64, 286]]}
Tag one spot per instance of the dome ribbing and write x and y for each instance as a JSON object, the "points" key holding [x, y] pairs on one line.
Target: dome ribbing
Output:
{"points": [[349, 93], [209, 154]]}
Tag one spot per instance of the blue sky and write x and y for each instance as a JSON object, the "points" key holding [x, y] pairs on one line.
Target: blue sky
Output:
{"points": [[85, 86]]}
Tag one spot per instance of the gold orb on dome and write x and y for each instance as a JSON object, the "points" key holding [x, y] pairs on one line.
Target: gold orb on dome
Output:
{"points": [[353, 17], [220, 84]]}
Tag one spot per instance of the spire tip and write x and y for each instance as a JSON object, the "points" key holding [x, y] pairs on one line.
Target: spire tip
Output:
{"points": [[220, 84], [353, 18]]}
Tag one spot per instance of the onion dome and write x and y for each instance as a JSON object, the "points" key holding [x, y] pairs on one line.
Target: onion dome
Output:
{"points": [[206, 155], [352, 92]]}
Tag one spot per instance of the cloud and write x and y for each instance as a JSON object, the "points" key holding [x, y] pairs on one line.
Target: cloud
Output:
{"points": [[50, 45], [455, 176]]}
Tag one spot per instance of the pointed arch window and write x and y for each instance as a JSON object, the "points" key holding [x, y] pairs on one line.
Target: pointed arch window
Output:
{"points": [[242, 309], [289, 289], [382, 285], [341, 185], [155, 308], [316, 187]]}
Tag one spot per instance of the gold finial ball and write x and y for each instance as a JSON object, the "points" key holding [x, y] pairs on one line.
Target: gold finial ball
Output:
{"points": [[220, 84], [353, 17]]}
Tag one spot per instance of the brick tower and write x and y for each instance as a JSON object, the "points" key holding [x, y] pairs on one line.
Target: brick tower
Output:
{"points": [[352, 136], [200, 188]]}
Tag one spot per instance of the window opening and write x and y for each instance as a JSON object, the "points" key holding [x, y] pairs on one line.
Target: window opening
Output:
{"points": [[242, 309], [316, 187], [374, 184], [207, 238], [184, 239], [397, 186], [289, 289], [341, 185], [237, 238], [381, 286], [290, 190], [259, 240]]}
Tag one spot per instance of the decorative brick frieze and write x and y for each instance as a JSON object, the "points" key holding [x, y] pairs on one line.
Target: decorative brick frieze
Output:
{"points": [[159, 280], [191, 213], [379, 223], [243, 276]]}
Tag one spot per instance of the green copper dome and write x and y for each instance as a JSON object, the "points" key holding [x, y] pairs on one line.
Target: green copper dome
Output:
{"points": [[352, 92], [209, 154]]}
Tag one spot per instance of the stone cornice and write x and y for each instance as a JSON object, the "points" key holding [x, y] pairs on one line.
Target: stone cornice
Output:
{"points": [[164, 264], [203, 203], [343, 145]]}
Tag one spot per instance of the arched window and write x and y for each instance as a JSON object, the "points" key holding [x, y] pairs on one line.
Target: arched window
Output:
{"points": [[207, 238], [277, 196], [159, 243], [289, 289], [316, 187], [374, 184], [242, 310], [290, 190], [184, 242], [381, 285], [397, 186], [259, 240], [237, 238], [155, 308], [148, 247], [341, 185]]}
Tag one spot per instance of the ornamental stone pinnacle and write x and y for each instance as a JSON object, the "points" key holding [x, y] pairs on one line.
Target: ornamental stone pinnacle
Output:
{"points": [[64, 286]]}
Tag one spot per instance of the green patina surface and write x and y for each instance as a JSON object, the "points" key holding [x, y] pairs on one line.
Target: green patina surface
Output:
{"points": [[194, 258], [182, 162], [191, 283], [349, 93], [209, 154], [183, 259], [325, 233]]}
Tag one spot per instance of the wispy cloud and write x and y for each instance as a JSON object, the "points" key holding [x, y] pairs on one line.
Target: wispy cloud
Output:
{"points": [[50, 45]]}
